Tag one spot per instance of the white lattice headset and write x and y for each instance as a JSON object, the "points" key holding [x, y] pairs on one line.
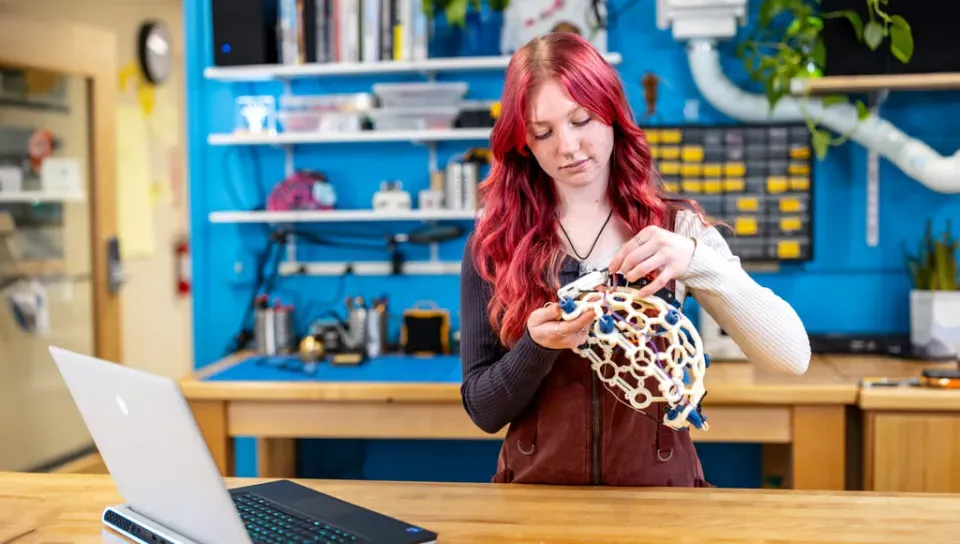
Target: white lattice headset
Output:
{"points": [[628, 324]]}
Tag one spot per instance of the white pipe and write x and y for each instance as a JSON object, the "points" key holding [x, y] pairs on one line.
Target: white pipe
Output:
{"points": [[915, 158]]}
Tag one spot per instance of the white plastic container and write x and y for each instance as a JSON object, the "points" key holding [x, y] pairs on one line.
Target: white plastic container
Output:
{"points": [[402, 95], [324, 113], [345, 102], [319, 121], [413, 118]]}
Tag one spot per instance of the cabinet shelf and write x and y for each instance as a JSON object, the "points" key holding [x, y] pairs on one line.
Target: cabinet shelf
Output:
{"points": [[334, 216], [362, 136], [7, 197], [32, 268], [269, 72], [870, 83]]}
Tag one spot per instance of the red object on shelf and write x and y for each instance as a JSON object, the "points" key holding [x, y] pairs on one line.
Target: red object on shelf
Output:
{"points": [[182, 255]]}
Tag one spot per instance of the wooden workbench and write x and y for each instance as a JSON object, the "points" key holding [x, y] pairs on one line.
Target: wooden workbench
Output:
{"points": [[911, 439], [66, 509], [807, 414]]}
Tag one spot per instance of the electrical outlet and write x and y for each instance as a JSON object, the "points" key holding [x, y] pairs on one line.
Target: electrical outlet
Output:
{"points": [[244, 268]]}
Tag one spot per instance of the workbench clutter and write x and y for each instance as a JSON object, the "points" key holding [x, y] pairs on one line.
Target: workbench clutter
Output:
{"points": [[931, 378], [425, 330]]}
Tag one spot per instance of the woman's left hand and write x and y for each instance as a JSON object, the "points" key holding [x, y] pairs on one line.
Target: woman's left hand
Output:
{"points": [[654, 248]]}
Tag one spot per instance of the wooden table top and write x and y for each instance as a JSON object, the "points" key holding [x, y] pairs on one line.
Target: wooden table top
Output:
{"points": [[830, 379], [66, 509], [910, 399]]}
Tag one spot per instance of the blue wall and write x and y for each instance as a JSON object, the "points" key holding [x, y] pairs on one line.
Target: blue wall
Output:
{"points": [[866, 287]]}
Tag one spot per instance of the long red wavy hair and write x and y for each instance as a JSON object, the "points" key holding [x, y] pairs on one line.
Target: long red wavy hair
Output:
{"points": [[515, 244]]}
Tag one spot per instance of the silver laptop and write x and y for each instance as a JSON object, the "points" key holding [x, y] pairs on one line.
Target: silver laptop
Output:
{"points": [[159, 461]]}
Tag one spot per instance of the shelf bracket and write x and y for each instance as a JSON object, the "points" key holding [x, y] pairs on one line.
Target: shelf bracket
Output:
{"points": [[288, 158], [289, 166], [291, 247], [432, 165], [873, 178]]}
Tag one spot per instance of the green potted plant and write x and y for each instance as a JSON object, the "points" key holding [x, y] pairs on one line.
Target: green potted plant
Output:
{"points": [[787, 45], [455, 11], [465, 27], [935, 294]]}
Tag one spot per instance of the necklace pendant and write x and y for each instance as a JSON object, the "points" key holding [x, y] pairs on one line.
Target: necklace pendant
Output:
{"points": [[584, 269]]}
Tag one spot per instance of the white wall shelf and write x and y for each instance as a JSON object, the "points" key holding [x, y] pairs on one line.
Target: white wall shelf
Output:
{"points": [[270, 72], [287, 140], [333, 216], [362, 136], [39, 196], [872, 83], [369, 268]]}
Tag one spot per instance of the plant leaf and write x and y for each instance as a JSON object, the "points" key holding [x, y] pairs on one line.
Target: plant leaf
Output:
{"points": [[815, 23], [794, 28], [873, 35], [862, 110], [456, 12], [944, 274], [833, 99], [821, 141], [819, 55], [901, 39], [774, 90]]}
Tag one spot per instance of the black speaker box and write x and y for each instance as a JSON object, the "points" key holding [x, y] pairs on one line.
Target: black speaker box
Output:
{"points": [[935, 37], [244, 32]]}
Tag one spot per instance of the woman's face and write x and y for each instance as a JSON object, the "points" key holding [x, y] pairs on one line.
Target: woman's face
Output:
{"points": [[570, 144]]}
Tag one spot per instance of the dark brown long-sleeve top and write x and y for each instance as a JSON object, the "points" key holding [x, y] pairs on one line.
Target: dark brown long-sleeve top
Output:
{"points": [[497, 383]]}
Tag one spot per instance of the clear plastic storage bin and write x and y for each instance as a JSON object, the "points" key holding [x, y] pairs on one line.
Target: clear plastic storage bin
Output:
{"points": [[401, 95], [413, 118], [324, 113]]}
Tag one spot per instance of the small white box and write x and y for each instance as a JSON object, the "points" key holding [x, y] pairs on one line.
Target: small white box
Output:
{"points": [[430, 200], [61, 174], [11, 179]]}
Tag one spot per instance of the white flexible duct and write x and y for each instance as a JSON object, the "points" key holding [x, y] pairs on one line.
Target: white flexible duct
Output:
{"points": [[915, 158]]}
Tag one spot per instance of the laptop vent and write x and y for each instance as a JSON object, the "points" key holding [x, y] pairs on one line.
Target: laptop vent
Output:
{"points": [[132, 528]]}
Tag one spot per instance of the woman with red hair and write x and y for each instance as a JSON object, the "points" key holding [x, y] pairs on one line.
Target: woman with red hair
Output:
{"points": [[572, 189]]}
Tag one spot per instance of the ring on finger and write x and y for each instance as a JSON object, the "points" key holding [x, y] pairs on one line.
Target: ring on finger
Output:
{"points": [[560, 334], [640, 241]]}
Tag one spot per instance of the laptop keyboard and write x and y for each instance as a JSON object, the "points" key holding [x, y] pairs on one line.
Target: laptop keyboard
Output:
{"points": [[268, 524]]}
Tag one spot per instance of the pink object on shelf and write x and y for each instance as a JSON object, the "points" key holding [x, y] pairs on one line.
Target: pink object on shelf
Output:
{"points": [[304, 190]]}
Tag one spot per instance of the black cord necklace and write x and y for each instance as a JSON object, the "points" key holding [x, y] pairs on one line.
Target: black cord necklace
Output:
{"points": [[595, 240]]}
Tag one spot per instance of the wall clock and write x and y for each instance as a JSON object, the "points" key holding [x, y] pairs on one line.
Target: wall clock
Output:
{"points": [[154, 51]]}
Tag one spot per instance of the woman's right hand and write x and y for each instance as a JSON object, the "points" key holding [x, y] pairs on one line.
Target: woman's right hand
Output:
{"points": [[548, 329]]}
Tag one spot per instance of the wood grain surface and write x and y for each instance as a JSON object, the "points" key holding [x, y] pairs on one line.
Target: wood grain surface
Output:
{"points": [[830, 379], [485, 513]]}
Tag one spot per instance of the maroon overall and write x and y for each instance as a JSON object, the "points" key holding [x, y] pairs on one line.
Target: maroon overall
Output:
{"points": [[575, 432]]}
